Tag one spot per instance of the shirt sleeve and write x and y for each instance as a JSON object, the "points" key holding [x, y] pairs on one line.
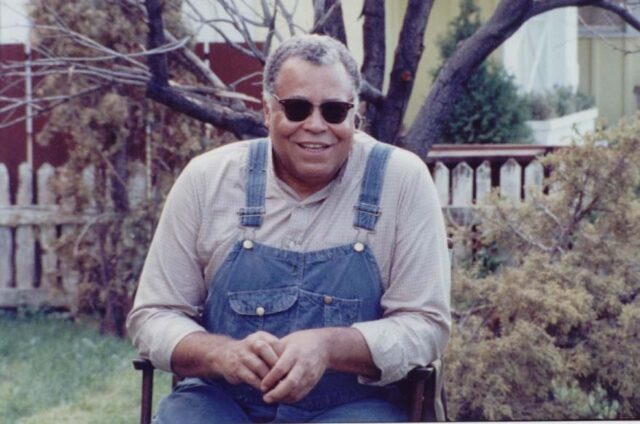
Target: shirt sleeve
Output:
{"points": [[416, 322], [171, 288]]}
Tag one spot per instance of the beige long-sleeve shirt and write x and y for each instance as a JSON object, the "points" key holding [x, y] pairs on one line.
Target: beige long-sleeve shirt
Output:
{"points": [[199, 225]]}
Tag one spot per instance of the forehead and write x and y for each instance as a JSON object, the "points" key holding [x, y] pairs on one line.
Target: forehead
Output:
{"points": [[298, 77]]}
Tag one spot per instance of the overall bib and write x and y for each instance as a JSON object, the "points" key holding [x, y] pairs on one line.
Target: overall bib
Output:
{"points": [[263, 288]]}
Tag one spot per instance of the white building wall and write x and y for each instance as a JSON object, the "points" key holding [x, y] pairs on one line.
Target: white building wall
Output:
{"points": [[544, 52], [14, 24], [197, 11]]}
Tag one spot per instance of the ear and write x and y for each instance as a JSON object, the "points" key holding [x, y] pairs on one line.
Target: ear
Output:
{"points": [[266, 110]]}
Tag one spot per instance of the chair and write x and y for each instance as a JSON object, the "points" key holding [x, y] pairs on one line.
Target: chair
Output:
{"points": [[423, 387]]}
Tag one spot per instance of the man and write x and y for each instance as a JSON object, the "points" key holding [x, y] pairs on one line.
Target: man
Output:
{"points": [[294, 278]]}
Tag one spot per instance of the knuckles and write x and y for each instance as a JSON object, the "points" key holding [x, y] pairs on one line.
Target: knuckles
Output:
{"points": [[296, 371]]}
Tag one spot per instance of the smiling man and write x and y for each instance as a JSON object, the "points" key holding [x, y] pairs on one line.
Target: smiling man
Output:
{"points": [[296, 278]]}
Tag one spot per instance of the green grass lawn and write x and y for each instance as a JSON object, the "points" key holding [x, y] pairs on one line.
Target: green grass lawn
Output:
{"points": [[53, 370]]}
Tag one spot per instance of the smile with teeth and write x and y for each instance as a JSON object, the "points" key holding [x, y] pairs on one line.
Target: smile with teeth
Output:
{"points": [[314, 146]]}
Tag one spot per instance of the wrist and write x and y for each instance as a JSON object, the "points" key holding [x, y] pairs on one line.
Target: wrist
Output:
{"points": [[199, 354], [216, 354], [337, 343]]}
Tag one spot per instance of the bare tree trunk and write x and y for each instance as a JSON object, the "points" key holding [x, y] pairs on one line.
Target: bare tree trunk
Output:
{"points": [[328, 19], [405, 65], [374, 54], [116, 300], [428, 125]]}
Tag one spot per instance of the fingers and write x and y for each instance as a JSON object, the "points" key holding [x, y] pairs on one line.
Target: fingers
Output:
{"points": [[263, 345], [258, 356], [279, 370], [255, 364], [285, 370], [246, 375], [292, 388], [303, 360], [249, 360]]}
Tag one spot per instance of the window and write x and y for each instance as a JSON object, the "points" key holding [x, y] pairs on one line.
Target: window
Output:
{"points": [[597, 22]]}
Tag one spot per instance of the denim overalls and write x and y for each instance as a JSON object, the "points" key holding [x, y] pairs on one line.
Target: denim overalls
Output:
{"points": [[263, 288]]}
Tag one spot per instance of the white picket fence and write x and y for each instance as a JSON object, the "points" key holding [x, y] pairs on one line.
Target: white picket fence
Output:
{"points": [[461, 186], [32, 274], [464, 186]]}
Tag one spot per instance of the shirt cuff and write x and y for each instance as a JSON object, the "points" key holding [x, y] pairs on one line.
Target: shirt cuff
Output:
{"points": [[386, 351], [168, 337]]}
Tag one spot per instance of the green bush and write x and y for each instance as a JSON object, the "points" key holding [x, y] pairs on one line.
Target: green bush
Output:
{"points": [[552, 331], [489, 109], [560, 101]]}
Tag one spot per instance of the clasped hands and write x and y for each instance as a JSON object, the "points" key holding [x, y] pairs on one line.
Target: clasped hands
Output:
{"points": [[285, 369]]}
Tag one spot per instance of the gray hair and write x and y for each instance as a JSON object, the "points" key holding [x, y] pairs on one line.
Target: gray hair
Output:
{"points": [[313, 48]]}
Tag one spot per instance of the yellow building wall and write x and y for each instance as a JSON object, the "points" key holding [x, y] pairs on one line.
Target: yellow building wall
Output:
{"points": [[609, 75], [442, 13]]}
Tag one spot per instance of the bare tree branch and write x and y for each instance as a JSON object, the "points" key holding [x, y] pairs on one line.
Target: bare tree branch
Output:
{"points": [[405, 65], [49, 102], [328, 19], [371, 94], [605, 40], [527, 238], [621, 10], [288, 16], [241, 123]]}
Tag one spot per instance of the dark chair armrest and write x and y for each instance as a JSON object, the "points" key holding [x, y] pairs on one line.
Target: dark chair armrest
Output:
{"points": [[146, 401], [143, 364], [424, 389]]}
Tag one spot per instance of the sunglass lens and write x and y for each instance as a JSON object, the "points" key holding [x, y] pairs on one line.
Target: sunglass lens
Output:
{"points": [[335, 112], [297, 110]]}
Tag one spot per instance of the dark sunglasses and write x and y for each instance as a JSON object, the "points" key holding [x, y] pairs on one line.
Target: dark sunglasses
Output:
{"points": [[297, 110]]}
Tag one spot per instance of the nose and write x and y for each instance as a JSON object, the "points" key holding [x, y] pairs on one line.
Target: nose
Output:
{"points": [[315, 122]]}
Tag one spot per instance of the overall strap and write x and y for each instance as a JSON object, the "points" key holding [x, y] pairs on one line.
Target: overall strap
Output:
{"points": [[368, 207], [256, 183]]}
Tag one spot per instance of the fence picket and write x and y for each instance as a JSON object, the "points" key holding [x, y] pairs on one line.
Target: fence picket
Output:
{"points": [[462, 185], [69, 276], [511, 180], [89, 181], [137, 184], [462, 197], [25, 236], [533, 178], [6, 242], [483, 181], [441, 180], [49, 258]]}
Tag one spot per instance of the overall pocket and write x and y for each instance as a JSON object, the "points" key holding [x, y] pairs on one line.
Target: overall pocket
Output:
{"points": [[270, 310], [325, 310]]}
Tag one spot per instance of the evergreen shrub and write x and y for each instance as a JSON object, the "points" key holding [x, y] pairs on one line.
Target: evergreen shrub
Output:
{"points": [[558, 102], [489, 109], [551, 330]]}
